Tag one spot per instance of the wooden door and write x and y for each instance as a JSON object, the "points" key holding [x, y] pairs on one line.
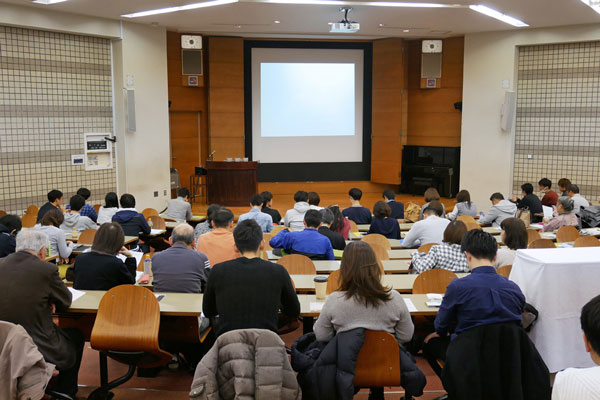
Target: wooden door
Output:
{"points": [[185, 144]]}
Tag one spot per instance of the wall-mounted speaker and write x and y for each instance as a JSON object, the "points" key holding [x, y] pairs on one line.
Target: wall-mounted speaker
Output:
{"points": [[431, 64], [191, 62], [509, 111], [130, 109]]}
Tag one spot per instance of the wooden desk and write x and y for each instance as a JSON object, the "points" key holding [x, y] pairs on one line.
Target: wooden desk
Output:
{"points": [[395, 254], [194, 221], [389, 266], [51, 258], [231, 183], [494, 230], [403, 227]]}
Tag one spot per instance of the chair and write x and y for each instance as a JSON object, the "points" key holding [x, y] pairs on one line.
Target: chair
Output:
{"points": [[157, 222], [378, 362], [198, 184], [28, 220], [380, 252], [126, 329], [532, 235], [567, 234], [297, 264], [504, 270], [467, 219], [87, 236], [541, 244], [147, 212], [472, 225], [433, 281], [32, 209], [267, 238], [586, 241], [426, 247], [277, 229], [353, 226], [2, 213], [97, 208], [333, 282], [378, 239]]}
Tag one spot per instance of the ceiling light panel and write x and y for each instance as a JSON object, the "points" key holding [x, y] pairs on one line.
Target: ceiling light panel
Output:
{"points": [[490, 12], [47, 2], [192, 6], [593, 4]]}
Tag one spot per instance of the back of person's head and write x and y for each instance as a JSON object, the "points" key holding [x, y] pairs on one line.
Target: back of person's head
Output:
{"points": [[127, 201], [563, 182], [53, 195], [590, 323], [338, 219], [545, 182], [312, 218], [300, 195], [257, 200], [12, 222], [183, 233], [515, 233], [463, 197], [211, 211], [109, 238], [573, 188], [527, 188], [111, 200], [355, 193], [381, 210], [53, 218], [32, 240], [479, 244], [454, 232], [567, 203], [360, 275], [222, 218], [496, 196], [76, 202], [248, 236], [431, 194], [267, 197], [313, 198], [434, 207], [183, 192], [84, 192], [326, 216], [389, 194]]}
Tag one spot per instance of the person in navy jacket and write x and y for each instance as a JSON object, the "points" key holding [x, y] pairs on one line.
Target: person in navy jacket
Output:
{"points": [[308, 242]]}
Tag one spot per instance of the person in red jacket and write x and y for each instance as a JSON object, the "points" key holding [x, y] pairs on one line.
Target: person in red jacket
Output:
{"points": [[550, 197]]}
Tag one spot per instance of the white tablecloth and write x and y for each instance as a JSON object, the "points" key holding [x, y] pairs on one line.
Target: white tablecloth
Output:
{"points": [[558, 282]]}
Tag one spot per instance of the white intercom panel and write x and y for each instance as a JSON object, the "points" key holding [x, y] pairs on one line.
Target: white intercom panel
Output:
{"points": [[98, 151]]}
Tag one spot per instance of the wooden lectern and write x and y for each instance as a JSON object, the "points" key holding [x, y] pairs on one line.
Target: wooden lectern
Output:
{"points": [[231, 183]]}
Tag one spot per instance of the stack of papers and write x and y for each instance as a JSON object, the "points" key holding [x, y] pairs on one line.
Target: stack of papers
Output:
{"points": [[410, 305], [136, 254], [314, 306], [434, 299], [156, 231], [75, 294]]}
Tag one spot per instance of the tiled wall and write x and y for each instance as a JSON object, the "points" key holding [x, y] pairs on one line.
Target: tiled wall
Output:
{"points": [[54, 87], [558, 116]]}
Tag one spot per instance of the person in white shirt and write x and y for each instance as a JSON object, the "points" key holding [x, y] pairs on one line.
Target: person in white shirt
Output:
{"points": [[578, 200], [430, 229], [111, 206], [180, 208], [294, 218], [583, 383], [313, 201]]}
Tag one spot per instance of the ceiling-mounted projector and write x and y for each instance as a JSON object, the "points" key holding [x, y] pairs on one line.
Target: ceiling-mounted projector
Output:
{"points": [[344, 26]]}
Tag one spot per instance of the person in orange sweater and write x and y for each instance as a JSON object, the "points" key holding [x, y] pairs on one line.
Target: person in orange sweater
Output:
{"points": [[218, 245]]}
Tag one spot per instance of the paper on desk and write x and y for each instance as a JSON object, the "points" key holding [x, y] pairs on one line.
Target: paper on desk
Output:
{"points": [[138, 275], [156, 231], [435, 296], [410, 305], [75, 294], [136, 254], [548, 235], [536, 226], [314, 306], [548, 212]]}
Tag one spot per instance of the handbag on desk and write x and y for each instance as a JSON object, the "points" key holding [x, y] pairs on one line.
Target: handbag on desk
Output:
{"points": [[525, 216]]}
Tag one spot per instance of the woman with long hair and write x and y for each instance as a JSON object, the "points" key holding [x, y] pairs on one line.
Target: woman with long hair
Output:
{"points": [[340, 223], [464, 206], [110, 208]]}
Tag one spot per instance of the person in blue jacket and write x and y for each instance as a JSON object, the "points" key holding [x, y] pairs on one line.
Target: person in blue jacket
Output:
{"points": [[308, 242]]}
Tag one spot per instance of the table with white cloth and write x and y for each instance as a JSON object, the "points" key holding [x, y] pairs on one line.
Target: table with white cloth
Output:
{"points": [[558, 283]]}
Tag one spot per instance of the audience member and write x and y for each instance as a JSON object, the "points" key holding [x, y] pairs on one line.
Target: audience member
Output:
{"points": [[550, 197], [336, 239], [267, 207], [54, 201], [447, 255], [562, 185], [264, 220], [578, 200], [218, 245], [340, 223], [87, 210], [180, 268], [132, 222], [111, 206], [564, 215], [294, 218], [529, 202], [356, 212], [31, 291], [101, 269], [10, 225], [313, 201], [464, 206], [248, 292], [514, 236], [382, 223], [180, 208], [50, 225], [430, 229], [583, 383], [308, 242], [501, 209], [206, 226], [74, 221], [431, 194], [396, 207]]}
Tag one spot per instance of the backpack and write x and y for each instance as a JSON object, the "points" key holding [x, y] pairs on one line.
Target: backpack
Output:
{"points": [[590, 217], [412, 211], [525, 216]]}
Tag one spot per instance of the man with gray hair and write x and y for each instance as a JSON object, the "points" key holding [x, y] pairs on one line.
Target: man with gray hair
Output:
{"points": [[31, 291], [336, 239], [180, 268], [565, 215]]}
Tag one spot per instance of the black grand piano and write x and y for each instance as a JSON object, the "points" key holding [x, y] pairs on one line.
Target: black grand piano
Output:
{"points": [[428, 166]]}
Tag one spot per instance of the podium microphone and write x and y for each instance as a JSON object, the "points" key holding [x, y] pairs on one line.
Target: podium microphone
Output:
{"points": [[210, 157]]}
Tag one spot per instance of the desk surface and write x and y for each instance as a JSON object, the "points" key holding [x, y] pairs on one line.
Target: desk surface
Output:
{"points": [[403, 227], [389, 266]]}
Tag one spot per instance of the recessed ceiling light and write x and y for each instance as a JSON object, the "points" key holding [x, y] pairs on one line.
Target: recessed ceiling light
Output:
{"points": [[363, 3], [405, 30], [381, 25], [47, 2], [177, 8], [507, 19], [238, 26], [593, 4], [410, 5], [276, 22]]}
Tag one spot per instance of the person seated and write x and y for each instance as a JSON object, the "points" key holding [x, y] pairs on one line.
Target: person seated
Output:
{"points": [[180, 208], [564, 215], [431, 194], [562, 186], [514, 236], [583, 383], [463, 206], [10, 225], [447, 255], [267, 207], [218, 245], [31, 292], [206, 226], [248, 292], [313, 201], [111, 206], [54, 202], [50, 223], [550, 197], [501, 209], [340, 223], [356, 212], [481, 298], [87, 210], [264, 220], [294, 218], [430, 229], [336, 239], [132, 222], [382, 223], [396, 207], [529, 202], [101, 269], [180, 268], [578, 200], [74, 221], [308, 242]]}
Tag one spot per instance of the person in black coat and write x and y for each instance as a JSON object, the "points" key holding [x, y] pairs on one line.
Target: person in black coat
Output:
{"points": [[382, 222], [529, 202], [10, 225], [336, 239], [101, 269], [397, 207]]}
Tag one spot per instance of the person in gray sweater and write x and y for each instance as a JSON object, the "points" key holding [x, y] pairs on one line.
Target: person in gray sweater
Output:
{"points": [[59, 246], [74, 220], [464, 206], [501, 209], [430, 229]]}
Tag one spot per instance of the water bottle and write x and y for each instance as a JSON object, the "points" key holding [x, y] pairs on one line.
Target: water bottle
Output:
{"points": [[147, 264]]}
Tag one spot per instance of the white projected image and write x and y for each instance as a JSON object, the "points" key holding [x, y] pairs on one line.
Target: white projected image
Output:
{"points": [[307, 99]]}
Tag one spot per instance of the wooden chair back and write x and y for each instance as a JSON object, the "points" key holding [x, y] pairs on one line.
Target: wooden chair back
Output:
{"points": [[532, 235], [32, 209], [433, 281], [586, 241], [87, 236], [333, 281], [264, 255], [380, 252], [379, 239], [567, 234], [97, 208], [28, 220], [128, 319], [467, 219], [541, 244], [267, 238], [157, 222], [147, 212], [3, 213], [277, 229], [297, 264], [426, 247], [353, 226], [378, 362], [504, 270], [472, 225]]}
